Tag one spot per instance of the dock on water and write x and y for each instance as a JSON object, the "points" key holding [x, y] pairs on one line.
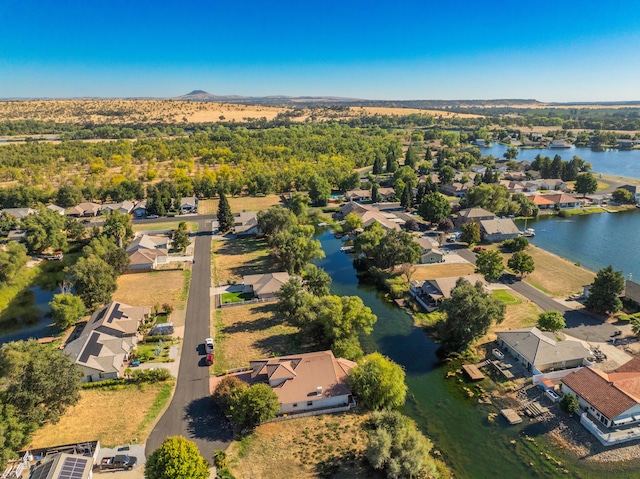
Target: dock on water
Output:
{"points": [[473, 372], [511, 416]]}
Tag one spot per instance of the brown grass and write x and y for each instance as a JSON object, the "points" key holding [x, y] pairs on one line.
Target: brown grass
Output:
{"points": [[442, 271], [521, 315], [113, 417], [304, 448], [149, 289], [236, 258], [240, 203], [252, 332]]}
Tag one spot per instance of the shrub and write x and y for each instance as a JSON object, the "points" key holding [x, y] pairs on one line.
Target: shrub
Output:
{"points": [[569, 403]]}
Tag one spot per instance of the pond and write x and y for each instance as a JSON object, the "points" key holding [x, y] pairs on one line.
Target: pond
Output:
{"points": [[35, 322], [471, 444]]}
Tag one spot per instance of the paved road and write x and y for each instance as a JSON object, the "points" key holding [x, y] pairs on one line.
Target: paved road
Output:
{"points": [[581, 324], [191, 413]]}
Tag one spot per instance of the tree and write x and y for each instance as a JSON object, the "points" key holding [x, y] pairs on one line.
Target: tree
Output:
{"points": [[395, 248], [7, 223], [275, 220], [176, 458], [291, 298], [511, 153], [351, 223], [470, 311], [66, 309], [375, 196], [44, 230], [445, 225], [378, 163], [586, 184], [392, 164], [635, 326], [105, 249], [68, 196], [343, 317], [378, 382], [406, 200], [118, 226], [316, 280], [12, 259], [604, 292], [407, 269], [253, 406], [569, 403], [434, 207], [225, 217], [74, 228], [180, 237], [93, 280], [299, 204], [470, 233], [397, 446], [519, 243], [551, 321], [489, 264], [521, 263], [295, 247], [621, 195], [446, 175], [225, 390], [367, 242], [410, 158], [319, 190]]}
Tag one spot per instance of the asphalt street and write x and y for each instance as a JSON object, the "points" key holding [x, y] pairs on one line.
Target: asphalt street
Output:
{"points": [[580, 324], [191, 413]]}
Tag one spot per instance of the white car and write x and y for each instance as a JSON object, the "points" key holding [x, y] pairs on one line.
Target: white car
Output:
{"points": [[152, 217], [208, 345]]}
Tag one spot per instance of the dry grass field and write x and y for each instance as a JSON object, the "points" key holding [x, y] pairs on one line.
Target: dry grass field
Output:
{"points": [[149, 289], [240, 203], [435, 271], [251, 332], [234, 259], [521, 315], [319, 446], [113, 416]]}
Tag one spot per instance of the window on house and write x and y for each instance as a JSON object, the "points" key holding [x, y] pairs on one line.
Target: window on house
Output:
{"points": [[295, 404], [309, 403]]}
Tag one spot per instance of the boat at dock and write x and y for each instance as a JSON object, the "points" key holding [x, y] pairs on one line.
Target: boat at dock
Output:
{"points": [[529, 232]]}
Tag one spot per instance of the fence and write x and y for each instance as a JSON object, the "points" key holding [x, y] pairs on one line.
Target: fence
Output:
{"points": [[553, 375], [315, 412], [612, 438], [251, 301]]}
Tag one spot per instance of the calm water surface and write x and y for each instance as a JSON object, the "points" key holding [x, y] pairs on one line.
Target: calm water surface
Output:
{"points": [[40, 328]]}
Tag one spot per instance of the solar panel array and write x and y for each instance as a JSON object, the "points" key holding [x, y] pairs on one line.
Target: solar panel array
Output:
{"points": [[41, 471], [73, 468]]}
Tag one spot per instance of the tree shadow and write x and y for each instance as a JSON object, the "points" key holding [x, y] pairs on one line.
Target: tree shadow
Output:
{"points": [[205, 421]]}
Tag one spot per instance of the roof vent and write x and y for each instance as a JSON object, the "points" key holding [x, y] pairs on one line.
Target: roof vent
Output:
{"points": [[319, 390]]}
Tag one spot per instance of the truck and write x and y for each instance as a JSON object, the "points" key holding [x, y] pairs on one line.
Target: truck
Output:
{"points": [[121, 461]]}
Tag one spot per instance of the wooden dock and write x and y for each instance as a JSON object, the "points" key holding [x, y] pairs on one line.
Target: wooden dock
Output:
{"points": [[473, 372], [511, 416]]}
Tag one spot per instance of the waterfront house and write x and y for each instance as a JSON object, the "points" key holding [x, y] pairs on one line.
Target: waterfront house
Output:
{"points": [[472, 214], [634, 190], [306, 382], [562, 200], [632, 291], [430, 293], [541, 202], [539, 351], [498, 229], [103, 347], [430, 254], [265, 286], [388, 221], [559, 144]]}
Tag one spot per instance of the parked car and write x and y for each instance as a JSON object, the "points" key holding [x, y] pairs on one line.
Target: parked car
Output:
{"points": [[121, 461], [208, 345], [209, 359], [479, 249], [152, 217]]}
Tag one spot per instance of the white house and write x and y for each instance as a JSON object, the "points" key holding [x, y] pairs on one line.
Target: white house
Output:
{"points": [[188, 205]]}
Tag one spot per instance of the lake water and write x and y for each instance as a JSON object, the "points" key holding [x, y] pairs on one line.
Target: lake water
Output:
{"points": [[610, 162], [473, 446], [595, 241], [39, 327]]}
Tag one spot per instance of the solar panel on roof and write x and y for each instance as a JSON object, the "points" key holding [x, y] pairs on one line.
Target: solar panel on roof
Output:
{"points": [[72, 468], [41, 471]]}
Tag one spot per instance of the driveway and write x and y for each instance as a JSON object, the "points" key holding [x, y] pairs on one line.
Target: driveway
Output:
{"points": [[191, 413]]}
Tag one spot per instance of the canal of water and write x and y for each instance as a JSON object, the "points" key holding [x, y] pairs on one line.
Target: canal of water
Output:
{"points": [[37, 325], [472, 445]]}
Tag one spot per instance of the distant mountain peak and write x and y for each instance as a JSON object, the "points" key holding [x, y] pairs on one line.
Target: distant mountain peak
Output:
{"points": [[197, 92]]}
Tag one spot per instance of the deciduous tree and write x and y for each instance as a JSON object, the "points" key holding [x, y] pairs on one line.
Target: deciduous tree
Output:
{"points": [[319, 190], [316, 280], [176, 458], [586, 184], [66, 309], [378, 382], [93, 280], [489, 264], [180, 237], [551, 321], [434, 207], [275, 220], [470, 233], [351, 223]]}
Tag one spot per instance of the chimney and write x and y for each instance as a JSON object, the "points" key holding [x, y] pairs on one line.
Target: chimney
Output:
{"points": [[319, 390]]}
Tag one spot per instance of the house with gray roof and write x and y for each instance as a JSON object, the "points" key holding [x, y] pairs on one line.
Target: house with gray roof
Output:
{"points": [[19, 213], [539, 351], [246, 224], [189, 205], [430, 293], [430, 253], [56, 209], [265, 286], [498, 229], [106, 341], [148, 251], [469, 215], [125, 207]]}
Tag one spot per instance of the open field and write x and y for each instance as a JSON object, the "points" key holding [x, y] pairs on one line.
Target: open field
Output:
{"points": [[239, 204], [251, 332], [237, 258], [168, 225], [319, 446], [518, 315], [113, 416], [555, 275], [442, 271], [149, 289]]}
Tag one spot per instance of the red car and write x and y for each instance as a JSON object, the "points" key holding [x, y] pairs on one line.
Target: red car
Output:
{"points": [[478, 249], [209, 359]]}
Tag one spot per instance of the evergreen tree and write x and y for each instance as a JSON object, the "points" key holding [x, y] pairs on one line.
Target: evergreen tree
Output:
{"points": [[378, 163], [225, 217], [375, 196], [428, 155], [392, 164], [410, 158], [407, 197], [603, 295]]}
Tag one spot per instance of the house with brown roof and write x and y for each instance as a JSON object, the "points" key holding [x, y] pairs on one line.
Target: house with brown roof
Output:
{"points": [[456, 189], [358, 195], [106, 341], [562, 200], [146, 252], [610, 401], [84, 209], [265, 286], [430, 293], [473, 214], [498, 229], [538, 351], [306, 382], [246, 224], [542, 202]]}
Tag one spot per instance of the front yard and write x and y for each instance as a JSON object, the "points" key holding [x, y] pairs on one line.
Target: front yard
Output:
{"points": [[113, 416]]}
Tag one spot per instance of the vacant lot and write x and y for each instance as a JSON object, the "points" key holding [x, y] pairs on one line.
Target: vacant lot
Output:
{"points": [[251, 332], [442, 271], [555, 275], [520, 315], [149, 289], [236, 258], [168, 225], [240, 203], [320, 446], [112, 416]]}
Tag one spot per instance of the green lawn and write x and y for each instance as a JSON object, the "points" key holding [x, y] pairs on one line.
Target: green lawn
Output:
{"points": [[236, 297], [168, 225], [506, 297]]}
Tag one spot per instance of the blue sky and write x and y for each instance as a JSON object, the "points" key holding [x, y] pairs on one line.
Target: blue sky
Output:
{"points": [[551, 51]]}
